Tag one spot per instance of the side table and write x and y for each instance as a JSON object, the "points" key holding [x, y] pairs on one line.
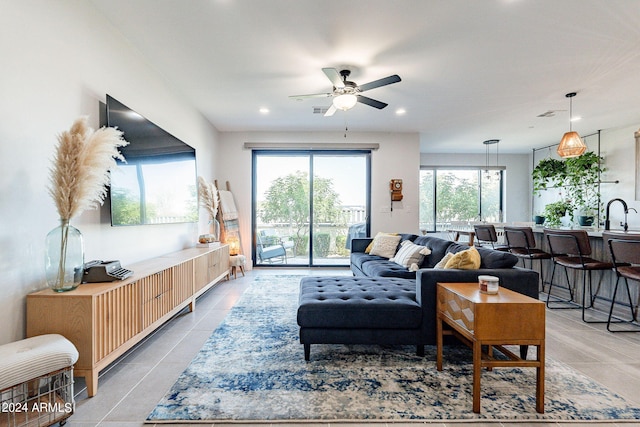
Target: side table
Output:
{"points": [[478, 319], [237, 262]]}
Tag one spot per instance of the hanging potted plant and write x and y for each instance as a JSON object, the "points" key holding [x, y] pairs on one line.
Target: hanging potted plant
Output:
{"points": [[582, 185], [548, 173]]}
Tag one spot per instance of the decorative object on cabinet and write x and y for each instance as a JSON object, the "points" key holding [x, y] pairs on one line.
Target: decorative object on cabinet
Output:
{"points": [[78, 179], [208, 198], [571, 145], [104, 320]]}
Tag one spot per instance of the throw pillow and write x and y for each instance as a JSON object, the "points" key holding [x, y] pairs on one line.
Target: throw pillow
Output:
{"points": [[465, 260], [445, 259], [410, 255], [385, 245], [380, 234]]}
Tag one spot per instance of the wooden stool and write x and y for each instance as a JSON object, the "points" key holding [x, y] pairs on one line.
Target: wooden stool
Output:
{"points": [[237, 261]]}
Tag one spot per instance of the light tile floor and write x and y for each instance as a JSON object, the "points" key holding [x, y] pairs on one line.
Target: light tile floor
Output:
{"points": [[131, 387]]}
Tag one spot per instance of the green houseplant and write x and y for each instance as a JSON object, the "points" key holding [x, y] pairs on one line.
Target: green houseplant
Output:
{"points": [[582, 185], [548, 173], [554, 212]]}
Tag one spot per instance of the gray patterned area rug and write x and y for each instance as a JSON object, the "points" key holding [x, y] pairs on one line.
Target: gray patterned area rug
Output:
{"points": [[252, 369]]}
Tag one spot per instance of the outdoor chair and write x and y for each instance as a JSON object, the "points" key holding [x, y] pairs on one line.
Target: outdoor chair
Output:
{"points": [[271, 250]]}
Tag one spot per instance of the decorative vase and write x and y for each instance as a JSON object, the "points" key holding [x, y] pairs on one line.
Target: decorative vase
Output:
{"points": [[585, 220], [538, 219], [64, 257], [214, 226]]}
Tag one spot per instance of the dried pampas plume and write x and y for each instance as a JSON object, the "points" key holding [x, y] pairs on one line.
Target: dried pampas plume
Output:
{"points": [[80, 171], [208, 194]]}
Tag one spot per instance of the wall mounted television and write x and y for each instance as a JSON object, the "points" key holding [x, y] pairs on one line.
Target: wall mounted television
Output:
{"points": [[157, 183]]}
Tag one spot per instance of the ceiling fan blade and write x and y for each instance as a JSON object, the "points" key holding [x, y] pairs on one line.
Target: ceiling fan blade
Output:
{"points": [[382, 82], [330, 111], [335, 78], [312, 95], [371, 102]]}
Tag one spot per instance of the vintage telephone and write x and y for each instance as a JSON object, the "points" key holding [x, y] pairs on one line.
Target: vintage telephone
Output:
{"points": [[395, 187], [104, 271]]}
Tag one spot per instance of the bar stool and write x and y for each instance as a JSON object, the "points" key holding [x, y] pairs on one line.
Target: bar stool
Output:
{"points": [[625, 255], [571, 249], [522, 243], [486, 236]]}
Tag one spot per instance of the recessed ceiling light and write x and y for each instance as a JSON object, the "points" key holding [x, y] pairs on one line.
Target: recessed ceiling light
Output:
{"points": [[576, 118], [264, 110], [401, 112]]}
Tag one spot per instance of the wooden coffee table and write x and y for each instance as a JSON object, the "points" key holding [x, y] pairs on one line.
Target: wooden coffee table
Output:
{"points": [[477, 319]]}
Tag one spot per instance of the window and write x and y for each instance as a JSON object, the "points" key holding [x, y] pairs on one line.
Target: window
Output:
{"points": [[457, 196]]}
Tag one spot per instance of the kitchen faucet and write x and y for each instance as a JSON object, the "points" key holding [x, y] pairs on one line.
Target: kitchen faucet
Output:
{"points": [[607, 221]]}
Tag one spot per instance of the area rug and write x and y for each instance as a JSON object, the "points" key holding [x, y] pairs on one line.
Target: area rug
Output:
{"points": [[252, 369]]}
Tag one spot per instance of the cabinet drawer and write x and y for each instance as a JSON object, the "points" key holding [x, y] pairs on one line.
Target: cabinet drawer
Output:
{"points": [[157, 297]]}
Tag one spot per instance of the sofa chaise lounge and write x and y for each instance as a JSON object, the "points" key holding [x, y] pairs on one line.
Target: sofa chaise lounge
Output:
{"points": [[385, 303]]}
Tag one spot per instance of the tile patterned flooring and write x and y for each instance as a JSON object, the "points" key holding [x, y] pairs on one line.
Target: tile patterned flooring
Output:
{"points": [[130, 388]]}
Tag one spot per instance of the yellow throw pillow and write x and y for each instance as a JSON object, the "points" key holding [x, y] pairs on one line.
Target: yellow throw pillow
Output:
{"points": [[468, 259], [380, 234]]}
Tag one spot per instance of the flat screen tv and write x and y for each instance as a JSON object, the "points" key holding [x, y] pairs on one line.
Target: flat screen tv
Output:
{"points": [[157, 183]]}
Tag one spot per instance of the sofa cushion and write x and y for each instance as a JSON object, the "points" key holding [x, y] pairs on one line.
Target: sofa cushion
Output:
{"points": [[379, 235], [468, 259], [386, 268], [385, 245], [357, 302], [410, 255], [358, 259], [491, 258], [438, 249], [440, 265]]}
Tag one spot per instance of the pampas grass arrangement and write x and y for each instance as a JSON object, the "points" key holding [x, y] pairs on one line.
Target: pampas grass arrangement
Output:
{"points": [[208, 197], [78, 179], [81, 165]]}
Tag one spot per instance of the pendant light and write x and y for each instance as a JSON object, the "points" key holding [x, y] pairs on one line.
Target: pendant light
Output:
{"points": [[571, 145], [487, 144]]}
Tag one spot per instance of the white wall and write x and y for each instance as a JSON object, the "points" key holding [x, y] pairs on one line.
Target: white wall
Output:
{"points": [[59, 59], [517, 178], [398, 157]]}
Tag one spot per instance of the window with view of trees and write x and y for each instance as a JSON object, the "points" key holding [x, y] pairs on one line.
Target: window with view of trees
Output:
{"points": [[456, 195]]}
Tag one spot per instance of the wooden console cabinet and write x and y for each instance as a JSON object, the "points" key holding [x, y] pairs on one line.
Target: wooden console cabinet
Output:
{"points": [[104, 320]]}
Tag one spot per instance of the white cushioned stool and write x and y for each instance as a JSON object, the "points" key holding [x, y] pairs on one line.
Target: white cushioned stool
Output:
{"points": [[36, 381], [237, 261]]}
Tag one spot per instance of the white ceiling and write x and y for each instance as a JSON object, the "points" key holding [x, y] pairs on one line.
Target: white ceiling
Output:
{"points": [[471, 70]]}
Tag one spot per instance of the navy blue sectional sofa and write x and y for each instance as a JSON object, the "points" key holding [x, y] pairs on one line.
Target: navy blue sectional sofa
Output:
{"points": [[385, 303]]}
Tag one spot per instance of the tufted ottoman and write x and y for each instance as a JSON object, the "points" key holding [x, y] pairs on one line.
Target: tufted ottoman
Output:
{"points": [[359, 310]]}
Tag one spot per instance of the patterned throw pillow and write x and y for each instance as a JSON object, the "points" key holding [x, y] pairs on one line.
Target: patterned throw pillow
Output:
{"points": [[410, 255], [445, 259], [385, 245], [380, 233], [465, 260]]}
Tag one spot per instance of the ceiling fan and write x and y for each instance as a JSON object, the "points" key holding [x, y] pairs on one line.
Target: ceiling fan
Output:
{"points": [[346, 94]]}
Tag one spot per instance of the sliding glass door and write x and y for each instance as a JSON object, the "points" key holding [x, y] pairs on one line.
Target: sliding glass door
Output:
{"points": [[307, 205]]}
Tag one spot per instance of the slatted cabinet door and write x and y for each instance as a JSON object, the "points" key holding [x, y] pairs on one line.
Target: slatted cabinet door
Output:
{"points": [[117, 319]]}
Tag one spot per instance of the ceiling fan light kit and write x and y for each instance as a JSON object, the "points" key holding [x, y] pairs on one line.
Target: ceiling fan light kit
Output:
{"points": [[571, 145], [346, 94], [345, 102]]}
